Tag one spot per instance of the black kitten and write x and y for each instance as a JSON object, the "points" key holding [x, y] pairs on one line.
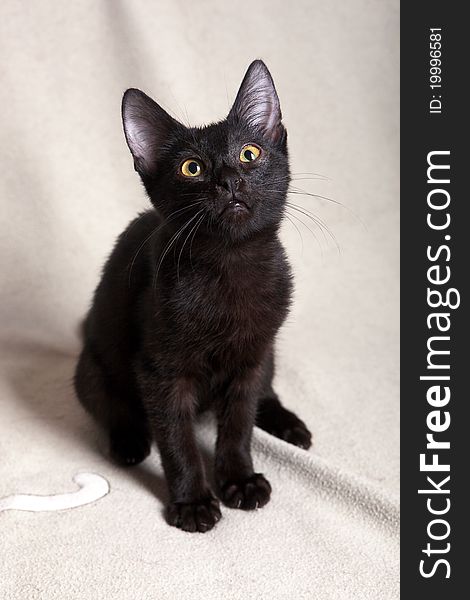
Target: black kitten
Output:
{"points": [[191, 299]]}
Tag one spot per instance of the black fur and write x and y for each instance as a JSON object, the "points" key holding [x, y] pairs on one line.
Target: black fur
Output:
{"points": [[186, 322]]}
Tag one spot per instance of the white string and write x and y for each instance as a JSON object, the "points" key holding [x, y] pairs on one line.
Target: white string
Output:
{"points": [[92, 488]]}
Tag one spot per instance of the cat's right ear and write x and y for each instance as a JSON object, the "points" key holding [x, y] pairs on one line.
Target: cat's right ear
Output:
{"points": [[147, 128]]}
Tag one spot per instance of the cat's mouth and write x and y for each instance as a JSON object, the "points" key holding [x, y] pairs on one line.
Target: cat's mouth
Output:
{"points": [[235, 206]]}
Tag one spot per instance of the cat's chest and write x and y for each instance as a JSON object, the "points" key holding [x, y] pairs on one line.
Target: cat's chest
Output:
{"points": [[238, 306]]}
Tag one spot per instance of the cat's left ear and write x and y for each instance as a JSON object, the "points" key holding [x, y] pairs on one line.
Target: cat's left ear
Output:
{"points": [[147, 128], [257, 103]]}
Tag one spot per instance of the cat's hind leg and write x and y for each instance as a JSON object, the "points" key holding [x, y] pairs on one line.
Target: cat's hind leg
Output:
{"points": [[281, 422], [273, 417], [115, 405]]}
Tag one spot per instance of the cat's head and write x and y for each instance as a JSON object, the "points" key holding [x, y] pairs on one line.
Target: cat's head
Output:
{"points": [[229, 178]]}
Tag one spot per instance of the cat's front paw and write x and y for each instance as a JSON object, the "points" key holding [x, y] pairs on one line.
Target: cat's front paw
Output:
{"points": [[200, 515], [248, 494]]}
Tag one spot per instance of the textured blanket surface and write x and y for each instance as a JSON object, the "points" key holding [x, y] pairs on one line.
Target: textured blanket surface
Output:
{"points": [[67, 189]]}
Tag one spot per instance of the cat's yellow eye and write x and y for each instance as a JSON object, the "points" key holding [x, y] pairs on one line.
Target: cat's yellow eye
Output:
{"points": [[191, 168], [249, 153]]}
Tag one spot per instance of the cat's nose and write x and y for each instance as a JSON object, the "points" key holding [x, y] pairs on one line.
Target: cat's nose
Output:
{"points": [[231, 183]]}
